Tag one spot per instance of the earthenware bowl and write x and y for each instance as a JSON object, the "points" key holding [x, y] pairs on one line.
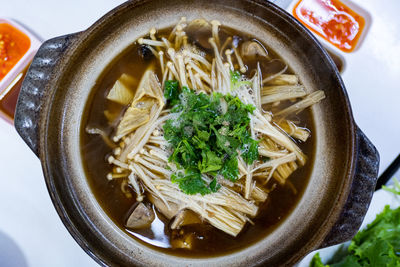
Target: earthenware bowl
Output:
{"points": [[59, 84]]}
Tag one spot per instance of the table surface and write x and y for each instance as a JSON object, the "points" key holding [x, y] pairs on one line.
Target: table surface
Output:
{"points": [[31, 233]]}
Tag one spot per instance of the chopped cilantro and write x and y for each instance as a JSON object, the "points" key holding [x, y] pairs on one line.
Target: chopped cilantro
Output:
{"points": [[236, 80], [210, 162], [191, 183], [250, 151], [230, 169], [171, 91], [214, 186], [205, 140], [235, 76]]}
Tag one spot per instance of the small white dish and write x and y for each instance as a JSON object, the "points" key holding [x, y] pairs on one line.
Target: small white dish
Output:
{"points": [[342, 55], [16, 73]]}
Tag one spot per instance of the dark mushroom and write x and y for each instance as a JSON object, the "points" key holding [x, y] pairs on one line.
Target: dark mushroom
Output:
{"points": [[199, 31], [141, 217], [145, 52]]}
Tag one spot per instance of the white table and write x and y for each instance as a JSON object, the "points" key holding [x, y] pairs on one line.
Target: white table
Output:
{"points": [[31, 234]]}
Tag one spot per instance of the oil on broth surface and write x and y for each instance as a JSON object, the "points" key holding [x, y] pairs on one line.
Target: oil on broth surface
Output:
{"points": [[209, 240]]}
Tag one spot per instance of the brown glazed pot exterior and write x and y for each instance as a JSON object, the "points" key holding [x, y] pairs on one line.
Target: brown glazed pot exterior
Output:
{"points": [[58, 86]]}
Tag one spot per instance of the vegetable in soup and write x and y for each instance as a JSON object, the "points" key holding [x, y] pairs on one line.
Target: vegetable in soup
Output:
{"points": [[198, 140]]}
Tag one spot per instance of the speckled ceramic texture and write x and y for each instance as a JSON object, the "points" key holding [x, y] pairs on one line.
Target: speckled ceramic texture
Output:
{"points": [[29, 100], [345, 167], [362, 189]]}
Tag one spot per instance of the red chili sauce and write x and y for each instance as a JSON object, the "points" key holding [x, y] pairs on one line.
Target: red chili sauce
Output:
{"points": [[332, 20], [13, 46], [9, 97]]}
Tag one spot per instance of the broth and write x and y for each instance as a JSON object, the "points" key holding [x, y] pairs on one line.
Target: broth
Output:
{"points": [[209, 241]]}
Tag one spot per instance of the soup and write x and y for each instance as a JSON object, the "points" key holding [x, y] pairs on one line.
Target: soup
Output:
{"points": [[197, 140]]}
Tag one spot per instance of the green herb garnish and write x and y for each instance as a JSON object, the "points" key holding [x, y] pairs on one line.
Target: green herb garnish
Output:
{"points": [[207, 137], [190, 182], [236, 80], [377, 245], [171, 92]]}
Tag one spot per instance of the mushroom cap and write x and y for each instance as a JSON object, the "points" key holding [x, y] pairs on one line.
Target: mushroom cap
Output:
{"points": [[141, 217], [252, 50], [199, 30]]}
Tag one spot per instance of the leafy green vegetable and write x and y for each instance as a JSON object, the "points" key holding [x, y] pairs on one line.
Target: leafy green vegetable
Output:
{"points": [[377, 245], [235, 76], [349, 260], [171, 91], [206, 140], [395, 189], [214, 186], [191, 183], [230, 170], [236, 80], [250, 151], [317, 262]]}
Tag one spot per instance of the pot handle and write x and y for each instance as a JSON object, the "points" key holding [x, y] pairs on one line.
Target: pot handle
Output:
{"points": [[362, 189], [33, 88]]}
